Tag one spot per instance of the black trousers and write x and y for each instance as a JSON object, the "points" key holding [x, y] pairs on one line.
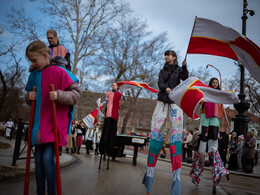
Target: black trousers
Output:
{"points": [[223, 156], [89, 145], [189, 153], [108, 137], [232, 165], [97, 148]]}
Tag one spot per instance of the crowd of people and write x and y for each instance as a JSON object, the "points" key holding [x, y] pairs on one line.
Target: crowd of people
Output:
{"points": [[80, 135], [236, 152]]}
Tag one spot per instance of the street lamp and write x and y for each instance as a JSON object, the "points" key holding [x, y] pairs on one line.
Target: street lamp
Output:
{"points": [[241, 120]]}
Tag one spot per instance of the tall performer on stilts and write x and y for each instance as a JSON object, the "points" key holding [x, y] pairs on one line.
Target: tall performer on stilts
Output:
{"points": [[169, 78], [66, 95], [210, 117], [108, 137]]}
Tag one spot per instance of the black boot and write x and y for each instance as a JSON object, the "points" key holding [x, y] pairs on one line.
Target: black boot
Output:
{"points": [[214, 191], [60, 150], [78, 150], [67, 150]]}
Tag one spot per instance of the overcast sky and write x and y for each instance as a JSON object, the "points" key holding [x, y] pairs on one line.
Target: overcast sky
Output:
{"points": [[177, 18]]}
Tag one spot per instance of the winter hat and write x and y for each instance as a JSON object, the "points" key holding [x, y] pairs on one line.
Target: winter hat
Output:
{"points": [[241, 137], [234, 133]]}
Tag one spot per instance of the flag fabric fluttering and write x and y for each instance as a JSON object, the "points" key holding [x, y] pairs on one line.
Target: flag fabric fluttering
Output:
{"points": [[127, 85], [192, 91], [210, 37], [92, 118]]}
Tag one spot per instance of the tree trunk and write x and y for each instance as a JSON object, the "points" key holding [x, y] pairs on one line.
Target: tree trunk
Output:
{"points": [[3, 99], [127, 116], [4, 91]]}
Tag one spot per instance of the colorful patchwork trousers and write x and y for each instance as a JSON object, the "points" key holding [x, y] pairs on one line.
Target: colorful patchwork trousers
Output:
{"points": [[209, 128], [198, 164], [158, 125]]}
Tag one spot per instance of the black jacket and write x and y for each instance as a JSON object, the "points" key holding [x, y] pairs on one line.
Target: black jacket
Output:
{"points": [[169, 77], [223, 142], [82, 128]]}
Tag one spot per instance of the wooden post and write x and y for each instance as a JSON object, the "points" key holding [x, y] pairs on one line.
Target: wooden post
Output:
{"points": [[27, 171], [56, 145]]}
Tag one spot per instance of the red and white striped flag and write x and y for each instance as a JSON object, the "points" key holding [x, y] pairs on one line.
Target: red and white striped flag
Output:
{"points": [[192, 91], [210, 37], [92, 118], [126, 85]]}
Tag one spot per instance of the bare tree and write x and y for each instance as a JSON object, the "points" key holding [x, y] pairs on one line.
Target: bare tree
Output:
{"points": [[11, 76], [4, 49], [252, 90], [79, 25], [25, 26], [201, 73], [83, 21], [78, 22], [131, 53]]}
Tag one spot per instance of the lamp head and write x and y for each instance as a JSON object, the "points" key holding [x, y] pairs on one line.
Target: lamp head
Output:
{"points": [[251, 12]]}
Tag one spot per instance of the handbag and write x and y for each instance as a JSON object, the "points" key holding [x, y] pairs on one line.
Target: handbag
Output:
{"points": [[189, 145]]}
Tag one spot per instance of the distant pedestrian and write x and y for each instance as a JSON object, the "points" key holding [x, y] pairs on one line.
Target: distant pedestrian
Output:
{"points": [[9, 126], [250, 144], [81, 131], [195, 140], [187, 146], [239, 151], [232, 164], [223, 145], [69, 145], [74, 137], [97, 136], [89, 139]]}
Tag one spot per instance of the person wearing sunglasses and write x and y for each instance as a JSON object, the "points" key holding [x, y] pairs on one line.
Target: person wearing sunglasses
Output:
{"points": [[57, 49]]}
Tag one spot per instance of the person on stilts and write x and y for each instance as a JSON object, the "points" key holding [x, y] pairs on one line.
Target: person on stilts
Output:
{"points": [[210, 117], [108, 136], [169, 78]]}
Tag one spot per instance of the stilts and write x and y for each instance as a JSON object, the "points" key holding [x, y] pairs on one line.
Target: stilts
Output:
{"points": [[56, 145], [107, 162], [100, 161], [27, 172], [104, 158]]}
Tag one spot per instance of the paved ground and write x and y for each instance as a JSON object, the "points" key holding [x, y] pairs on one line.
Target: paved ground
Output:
{"points": [[6, 159], [144, 153], [81, 176]]}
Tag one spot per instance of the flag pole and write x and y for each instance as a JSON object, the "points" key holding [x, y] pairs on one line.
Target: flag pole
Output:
{"points": [[190, 36], [56, 144], [27, 171], [220, 84], [220, 80]]}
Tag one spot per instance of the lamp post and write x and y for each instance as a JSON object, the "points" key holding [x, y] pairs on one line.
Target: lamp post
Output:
{"points": [[241, 120]]}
